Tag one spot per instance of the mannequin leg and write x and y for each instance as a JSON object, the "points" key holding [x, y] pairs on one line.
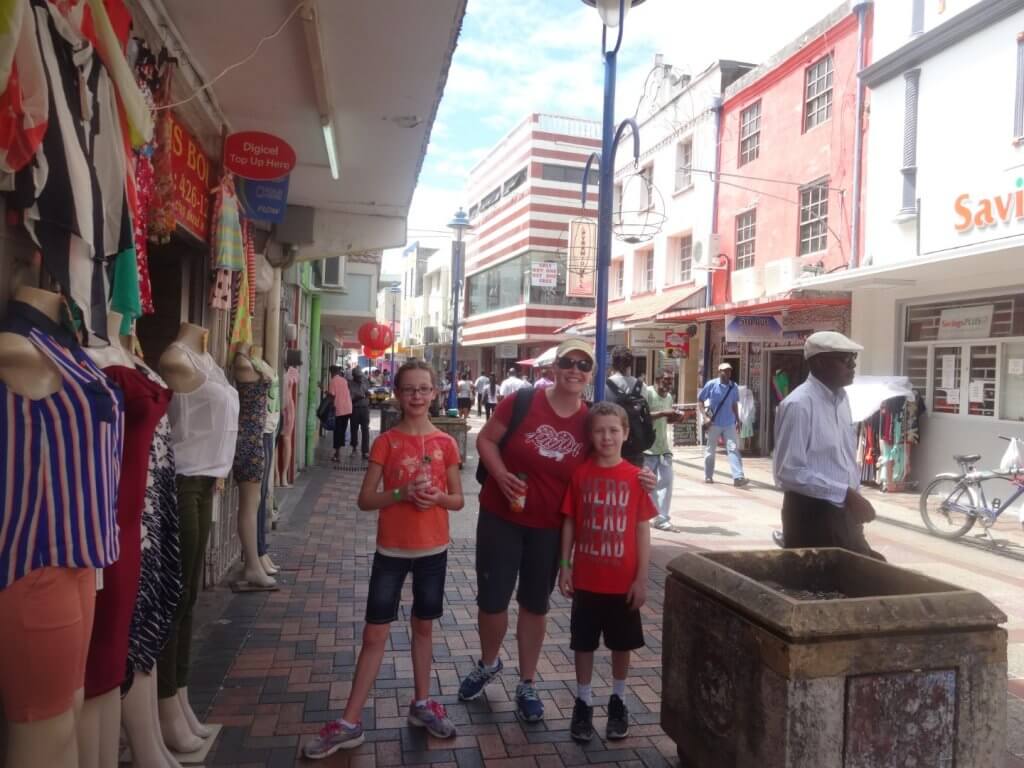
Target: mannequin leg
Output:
{"points": [[154, 712], [200, 730], [99, 730], [48, 743], [174, 727], [139, 716], [265, 502], [248, 503]]}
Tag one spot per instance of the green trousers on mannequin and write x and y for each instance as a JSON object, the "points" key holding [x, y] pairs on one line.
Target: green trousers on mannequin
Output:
{"points": [[195, 510]]}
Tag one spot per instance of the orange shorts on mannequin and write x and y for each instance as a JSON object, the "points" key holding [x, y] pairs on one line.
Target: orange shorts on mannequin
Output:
{"points": [[46, 617]]}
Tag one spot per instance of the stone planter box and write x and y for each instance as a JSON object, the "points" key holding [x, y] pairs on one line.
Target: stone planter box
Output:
{"points": [[822, 658]]}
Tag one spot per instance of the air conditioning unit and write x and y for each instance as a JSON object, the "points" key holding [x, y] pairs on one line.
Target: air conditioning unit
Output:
{"points": [[706, 250], [780, 276], [332, 273], [747, 284]]}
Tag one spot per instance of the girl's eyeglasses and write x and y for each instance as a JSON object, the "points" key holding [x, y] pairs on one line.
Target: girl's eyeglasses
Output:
{"points": [[567, 363], [423, 391]]}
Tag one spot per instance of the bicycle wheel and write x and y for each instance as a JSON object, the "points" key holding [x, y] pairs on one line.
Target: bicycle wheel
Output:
{"points": [[943, 507]]}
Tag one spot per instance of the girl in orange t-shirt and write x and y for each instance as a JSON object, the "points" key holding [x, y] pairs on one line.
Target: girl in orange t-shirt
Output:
{"points": [[413, 479]]}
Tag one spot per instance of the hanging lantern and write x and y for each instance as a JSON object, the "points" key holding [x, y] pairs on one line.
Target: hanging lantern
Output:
{"points": [[372, 353], [386, 336], [369, 334]]}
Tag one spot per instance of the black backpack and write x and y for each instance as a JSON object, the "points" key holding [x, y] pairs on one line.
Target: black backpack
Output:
{"points": [[641, 426], [523, 396]]}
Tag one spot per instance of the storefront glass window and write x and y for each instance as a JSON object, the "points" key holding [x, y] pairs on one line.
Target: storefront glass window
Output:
{"points": [[1011, 382], [506, 285], [981, 382]]}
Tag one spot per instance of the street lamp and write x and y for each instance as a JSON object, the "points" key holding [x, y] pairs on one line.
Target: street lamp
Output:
{"points": [[459, 223], [394, 290], [613, 14]]}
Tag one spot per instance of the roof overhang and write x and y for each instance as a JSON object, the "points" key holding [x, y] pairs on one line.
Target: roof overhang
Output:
{"points": [[645, 310], [375, 71], [786, 303]]}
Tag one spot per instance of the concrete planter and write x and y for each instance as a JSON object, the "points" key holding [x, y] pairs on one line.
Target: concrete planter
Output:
{"points": [[824, 658]]}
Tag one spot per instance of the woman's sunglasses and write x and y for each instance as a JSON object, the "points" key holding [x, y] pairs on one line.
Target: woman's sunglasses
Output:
{"points": [[568, 363]]}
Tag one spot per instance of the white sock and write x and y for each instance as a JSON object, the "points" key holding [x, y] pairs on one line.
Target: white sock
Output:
{"points": [[490, 667], [347, 724], [585, 694], [619, 688], [421, 702]]}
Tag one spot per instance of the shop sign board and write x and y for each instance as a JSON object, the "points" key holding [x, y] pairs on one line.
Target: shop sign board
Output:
{"points": [[646, 339], [507, 351], [753, 327], [581, 266], [544, 274], [966, 322], [190, 171], [263, 200], [258, 156]]}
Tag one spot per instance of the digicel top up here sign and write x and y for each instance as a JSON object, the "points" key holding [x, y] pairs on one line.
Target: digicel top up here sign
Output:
{"points": [[258, 156]]}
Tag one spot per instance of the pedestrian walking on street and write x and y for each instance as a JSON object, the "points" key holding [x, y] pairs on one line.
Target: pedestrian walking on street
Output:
{"points": [[413, 479], [604, 569], [519, 526], [547, 379], [722, 420], [480, 386], [658, 458], [511, 384], [359, 390], [815, 461], [338, 389], [628, 392], [490, 397], [464, 395]]}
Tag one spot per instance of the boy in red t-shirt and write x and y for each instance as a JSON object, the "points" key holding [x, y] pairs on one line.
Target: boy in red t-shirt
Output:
{"points": [[606, 532]]}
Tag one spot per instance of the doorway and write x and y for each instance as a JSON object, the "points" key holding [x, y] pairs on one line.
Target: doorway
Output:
{"points": [[787, 370]]}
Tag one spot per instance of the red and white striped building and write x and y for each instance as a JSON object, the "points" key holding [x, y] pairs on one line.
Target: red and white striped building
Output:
{"points": [[522, 196]]}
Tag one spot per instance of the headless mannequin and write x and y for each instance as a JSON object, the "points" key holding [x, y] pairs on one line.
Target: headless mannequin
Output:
{"points": [[245, 371], [269, 567], [55, 742], [99, 729], [179, 725], [139, 714], [285, 441]]}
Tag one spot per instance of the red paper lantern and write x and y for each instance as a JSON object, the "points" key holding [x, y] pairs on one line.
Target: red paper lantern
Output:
{"points": [[386, 336], [369, 335], [372, 353]]}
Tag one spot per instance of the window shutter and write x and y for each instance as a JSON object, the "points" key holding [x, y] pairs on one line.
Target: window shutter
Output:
{"points": [[1018, 107], [917, 18], [909, 198]]}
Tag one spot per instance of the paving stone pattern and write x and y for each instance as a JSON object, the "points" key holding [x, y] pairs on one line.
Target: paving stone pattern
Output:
{"points": [[276, 666]]}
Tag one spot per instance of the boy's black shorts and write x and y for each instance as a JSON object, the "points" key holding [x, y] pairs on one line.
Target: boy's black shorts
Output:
{"points": [[594, 615]]}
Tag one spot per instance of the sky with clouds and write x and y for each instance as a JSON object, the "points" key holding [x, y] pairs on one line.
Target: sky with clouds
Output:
{"points": [[515, 57]]}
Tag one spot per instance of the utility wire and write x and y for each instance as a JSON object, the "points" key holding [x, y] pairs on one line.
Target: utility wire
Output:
{"points": [[712, 173], [237, 64]]}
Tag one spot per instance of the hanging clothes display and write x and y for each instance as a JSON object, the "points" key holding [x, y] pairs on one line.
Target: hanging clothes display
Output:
{"points": [[24, 93], [885, 441]]}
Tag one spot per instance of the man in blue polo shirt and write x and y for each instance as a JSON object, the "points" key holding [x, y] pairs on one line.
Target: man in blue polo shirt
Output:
{"points": [[720, 419]]}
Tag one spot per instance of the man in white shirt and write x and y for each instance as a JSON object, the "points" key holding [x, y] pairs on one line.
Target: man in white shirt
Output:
{"points": [[815, 459], [511, 385], [480, 386]]}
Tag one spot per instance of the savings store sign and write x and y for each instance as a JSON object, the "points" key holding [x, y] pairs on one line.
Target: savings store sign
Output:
{"points": [[977, 218]]}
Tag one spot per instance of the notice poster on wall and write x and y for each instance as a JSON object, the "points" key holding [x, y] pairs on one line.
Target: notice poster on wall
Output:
{"points": [[976, 391], [948, 372], [1015, 366], [953, 396], [544, 274]]}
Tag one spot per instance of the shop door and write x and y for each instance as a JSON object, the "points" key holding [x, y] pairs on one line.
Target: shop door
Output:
{"points": [[786, 370]]}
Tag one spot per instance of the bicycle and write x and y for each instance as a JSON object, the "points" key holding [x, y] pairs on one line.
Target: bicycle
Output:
{"points": [[953, 502]]}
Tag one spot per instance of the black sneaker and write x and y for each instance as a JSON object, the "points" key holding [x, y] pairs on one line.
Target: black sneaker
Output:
{"points": [[739, 482], [618, 719], [582, 727]]}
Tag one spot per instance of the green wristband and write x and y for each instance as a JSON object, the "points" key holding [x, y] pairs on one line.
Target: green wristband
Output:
{"points": [[565, 564], [396, 494]]}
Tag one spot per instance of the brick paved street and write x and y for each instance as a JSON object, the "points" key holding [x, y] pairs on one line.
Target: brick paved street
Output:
{"points": [[273, 667]]}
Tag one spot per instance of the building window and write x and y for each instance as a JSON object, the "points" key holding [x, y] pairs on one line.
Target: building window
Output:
{"points": [[684, 164], [746, 233], [818, 93], [909, 170], [750, 133], [1018, 109], [814, 218], [490, 199], [620, 279], [617, 205], [647, 188], [509, 284], [513, 182], [917, 18], [649, 271], [686, 259]]}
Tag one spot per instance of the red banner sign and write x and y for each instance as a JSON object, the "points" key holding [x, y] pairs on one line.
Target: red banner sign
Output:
{"points": [[257, 155], [191, 169]]}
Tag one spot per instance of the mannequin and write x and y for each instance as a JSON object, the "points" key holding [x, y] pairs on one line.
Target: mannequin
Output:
{"points": [[271, 424], [56, 581], [249, 463], [145, 403], [289, 389], [204, 422]]}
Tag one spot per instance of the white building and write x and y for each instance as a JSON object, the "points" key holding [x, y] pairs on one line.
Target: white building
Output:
{"points": [[939, 292], [678, 145]]}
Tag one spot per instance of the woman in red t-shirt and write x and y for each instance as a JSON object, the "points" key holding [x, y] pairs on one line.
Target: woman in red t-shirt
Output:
{"points": [[518, 529]]}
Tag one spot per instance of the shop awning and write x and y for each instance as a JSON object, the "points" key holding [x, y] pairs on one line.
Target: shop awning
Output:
{"points": [[371, 73], [785, 303], [644, 309]]}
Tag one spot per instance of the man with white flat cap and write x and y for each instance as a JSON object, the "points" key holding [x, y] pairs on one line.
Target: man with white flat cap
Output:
{"points": [[815, 457]]}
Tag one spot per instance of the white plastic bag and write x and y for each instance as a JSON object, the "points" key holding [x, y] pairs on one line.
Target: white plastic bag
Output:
{"points": [[1013, 459]]}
